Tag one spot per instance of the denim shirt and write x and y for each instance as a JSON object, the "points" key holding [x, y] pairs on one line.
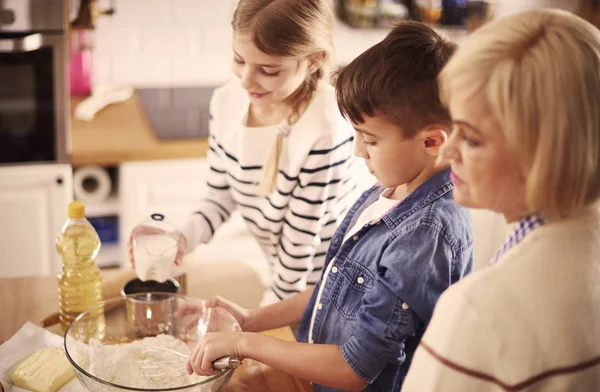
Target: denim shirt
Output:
{"points": [[380, 297]]}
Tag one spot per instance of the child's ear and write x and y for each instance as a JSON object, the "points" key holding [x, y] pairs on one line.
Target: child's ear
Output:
{"points": [[434, 137], [315, 61]]}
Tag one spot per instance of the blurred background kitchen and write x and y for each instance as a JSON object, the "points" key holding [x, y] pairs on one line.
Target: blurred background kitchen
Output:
{"points": [[107, 101]]}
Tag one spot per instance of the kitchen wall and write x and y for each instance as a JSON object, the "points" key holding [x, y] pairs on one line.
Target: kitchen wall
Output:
{"points": [[188, 42], [164, 42], [182, 42]]}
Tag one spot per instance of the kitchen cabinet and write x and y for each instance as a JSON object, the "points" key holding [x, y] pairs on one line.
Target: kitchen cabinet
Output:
{"points": [[33, 208]]}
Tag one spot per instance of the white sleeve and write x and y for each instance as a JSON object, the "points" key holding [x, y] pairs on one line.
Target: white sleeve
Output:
{"points": [[217, 203]]}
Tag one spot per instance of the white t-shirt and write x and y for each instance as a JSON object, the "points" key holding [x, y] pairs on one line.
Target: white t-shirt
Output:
{"points": [[371, 214]]}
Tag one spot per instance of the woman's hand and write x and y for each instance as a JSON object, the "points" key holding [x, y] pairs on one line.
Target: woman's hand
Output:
{"points": [[181, 245], [212, 346]]}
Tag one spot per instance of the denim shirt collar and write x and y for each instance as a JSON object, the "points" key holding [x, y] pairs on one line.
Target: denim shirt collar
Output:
{"points": [[433, 188]]}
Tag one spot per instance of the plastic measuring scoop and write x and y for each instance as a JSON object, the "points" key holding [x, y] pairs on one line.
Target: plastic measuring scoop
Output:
{"points": [[155, 245]]}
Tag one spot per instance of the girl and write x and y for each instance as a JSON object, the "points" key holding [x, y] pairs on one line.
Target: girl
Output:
{"points": [[279, 150]]}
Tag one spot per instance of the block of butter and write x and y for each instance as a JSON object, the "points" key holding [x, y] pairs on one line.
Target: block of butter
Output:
{"points": [[45, 371]]}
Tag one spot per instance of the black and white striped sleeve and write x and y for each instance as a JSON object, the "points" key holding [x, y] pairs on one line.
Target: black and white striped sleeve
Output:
{"points": [[216, 204], [309, 221]]}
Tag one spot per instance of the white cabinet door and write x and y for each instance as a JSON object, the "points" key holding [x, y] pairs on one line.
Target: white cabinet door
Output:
{"points": [[169, 187], [33, 208]]}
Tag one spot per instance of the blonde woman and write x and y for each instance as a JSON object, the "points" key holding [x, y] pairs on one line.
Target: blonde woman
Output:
{"points": [[523, 93], [279, 150]]}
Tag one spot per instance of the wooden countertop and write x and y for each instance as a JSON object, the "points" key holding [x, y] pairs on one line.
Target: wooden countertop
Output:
{"points": [[121, 132], [31, 299]]}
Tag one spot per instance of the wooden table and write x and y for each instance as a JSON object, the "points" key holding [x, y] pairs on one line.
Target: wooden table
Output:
{"points": [[31, 299]]}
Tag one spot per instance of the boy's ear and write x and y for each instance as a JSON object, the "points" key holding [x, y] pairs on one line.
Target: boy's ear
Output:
{"points": [[315, 60], [433, 138]]}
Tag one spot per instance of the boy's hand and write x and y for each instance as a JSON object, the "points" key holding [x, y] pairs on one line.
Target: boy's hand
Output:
{"points": [[212, 346], [242, 315]]}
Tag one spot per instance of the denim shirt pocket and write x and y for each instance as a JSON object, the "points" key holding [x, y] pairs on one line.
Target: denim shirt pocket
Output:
{"points": [[351, 286]]}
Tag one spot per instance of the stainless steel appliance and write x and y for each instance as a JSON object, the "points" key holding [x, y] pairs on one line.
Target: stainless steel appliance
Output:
{"points": [[33, 91]]}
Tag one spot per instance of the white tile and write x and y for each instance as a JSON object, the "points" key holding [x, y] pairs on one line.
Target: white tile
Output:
{"points": [[199, 70], [142, 70], [143, 12], [103, 25], [217, 40], [187, 40], [102, 37], [188, 12], [171, 40], [126, 40], [349, 42], [101, 70], [157, 40], [202, 12], [217, 12], [187, 69]]}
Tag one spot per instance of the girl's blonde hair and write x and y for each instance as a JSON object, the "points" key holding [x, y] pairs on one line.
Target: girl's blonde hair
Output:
{"points": [[540, 72], [289, 28]]}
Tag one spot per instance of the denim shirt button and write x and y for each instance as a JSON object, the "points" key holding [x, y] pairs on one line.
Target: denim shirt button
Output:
{"points": [[355, 238], [320, 306], [360, 280], [334, 270], [405, 306]]}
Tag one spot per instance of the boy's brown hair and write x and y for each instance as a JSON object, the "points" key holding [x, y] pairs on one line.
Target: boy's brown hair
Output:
{"points": [[397, 79]]}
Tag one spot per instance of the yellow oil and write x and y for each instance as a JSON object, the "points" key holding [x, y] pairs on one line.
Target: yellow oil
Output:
{"points": [[80, 281]]}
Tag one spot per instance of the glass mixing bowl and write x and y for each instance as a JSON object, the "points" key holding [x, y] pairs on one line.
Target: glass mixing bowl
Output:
{"points": [[131, 319]]}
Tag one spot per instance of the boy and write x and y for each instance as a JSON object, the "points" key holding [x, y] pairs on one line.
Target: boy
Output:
{"points": [[399, 247]]}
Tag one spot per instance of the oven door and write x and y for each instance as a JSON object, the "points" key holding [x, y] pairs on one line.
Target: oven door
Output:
{"points": [[32, 118]]}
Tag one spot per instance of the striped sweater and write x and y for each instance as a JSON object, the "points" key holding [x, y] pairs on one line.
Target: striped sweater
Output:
{"points": [[314, 189]]}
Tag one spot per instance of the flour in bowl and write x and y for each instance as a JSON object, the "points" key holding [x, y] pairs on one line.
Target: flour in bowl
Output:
{"points": [[142, 363]]}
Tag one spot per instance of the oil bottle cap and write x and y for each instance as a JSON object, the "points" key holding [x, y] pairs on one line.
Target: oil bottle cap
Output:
{"points": [[76, 210]]}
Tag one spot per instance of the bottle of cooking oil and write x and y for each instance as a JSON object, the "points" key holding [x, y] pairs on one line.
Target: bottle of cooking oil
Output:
{"points": [[79, 281]]}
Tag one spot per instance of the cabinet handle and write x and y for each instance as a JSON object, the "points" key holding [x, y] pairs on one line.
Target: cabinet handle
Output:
{"points": [[59, 180]]}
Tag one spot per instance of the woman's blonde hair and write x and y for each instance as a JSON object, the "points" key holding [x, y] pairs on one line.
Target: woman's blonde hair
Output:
{"points": [[289, 28], [540, 72]]}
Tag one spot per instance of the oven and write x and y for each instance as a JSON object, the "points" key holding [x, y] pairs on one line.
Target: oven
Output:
{"points": [[33, 92]]}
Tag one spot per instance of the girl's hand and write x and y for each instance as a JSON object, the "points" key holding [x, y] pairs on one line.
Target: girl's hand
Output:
{"points": [[242, 315], [212, 346], [181, 246]]}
